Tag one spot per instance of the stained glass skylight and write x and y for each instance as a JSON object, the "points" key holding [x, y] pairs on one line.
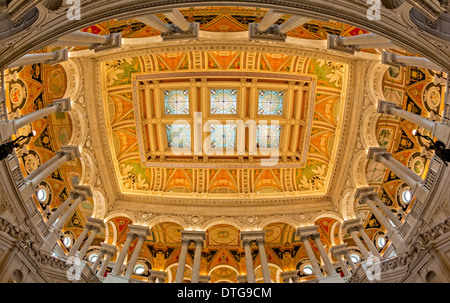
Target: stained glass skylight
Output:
{"points": [[176, 102], [270, 102], [223, 101], [223, 136], [268, 136], [178, 135]]}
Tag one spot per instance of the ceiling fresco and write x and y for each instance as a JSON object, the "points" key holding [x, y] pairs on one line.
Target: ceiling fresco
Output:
{"points": [[134, 177], [30, 88]]}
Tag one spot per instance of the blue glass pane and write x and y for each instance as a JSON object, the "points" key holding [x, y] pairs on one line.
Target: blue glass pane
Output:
{"points": [[223, 136], [268, 136], [223, 101], [270, 102], [176, 102], [179, 135]]}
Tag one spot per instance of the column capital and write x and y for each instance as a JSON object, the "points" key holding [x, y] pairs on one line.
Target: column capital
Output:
{"points": [[315, 236], [390, 59], [306, 231], [376, 152], [85, 191], [96, 222], [247, 242], [199, 242], [193, 235], [292, 274], [138, 230], [339, 249], [72, 150], [336, 42], [62, 105], [349, 224], [253, 235], [108, 248], [385, 107], [260, 241], [364, 193], [112, 41]]}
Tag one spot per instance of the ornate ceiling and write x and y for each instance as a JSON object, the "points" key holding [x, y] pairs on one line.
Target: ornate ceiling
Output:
{"points": [[332, 80]]}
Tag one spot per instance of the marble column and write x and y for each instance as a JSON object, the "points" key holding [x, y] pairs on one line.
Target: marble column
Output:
{"points": [[292, 23], [342, 264], [311, 256], [46, 58], [10, 127], [380, 154], [135, 255], [93, 41], [178, 19], [197, 260], [351, 226], [123, 252], [349, 261], [94, 231], [80, 193], [67, 153], [437, 129], [154, 22], [109, 250], [268, 20], [369, 242], [328, 266], [78, 242], [182, 261], [263, 259], [338, 251], [399, 60], [101, 254], [249, 261], [54, 216], [363, 39]]}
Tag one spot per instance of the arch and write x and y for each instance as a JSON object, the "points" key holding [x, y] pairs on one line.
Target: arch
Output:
{"points": [[120, 213], [99, 204], [225, 266], [369, 127], [347, 205], [79, 126], [278, 219], [333, 215], [218, 221], [88, 168], [171, 219], [278, 274], [359, 165], [114, 230]]}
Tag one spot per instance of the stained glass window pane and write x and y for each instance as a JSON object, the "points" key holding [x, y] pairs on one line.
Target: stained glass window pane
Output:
{"points": [[223, 101], [179, 135], [223, 136], [270, 102], [176, 102], [268, 136]]}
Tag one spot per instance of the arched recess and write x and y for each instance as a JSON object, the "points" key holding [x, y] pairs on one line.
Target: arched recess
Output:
{"points": [[88, 168], [100, 206], [171, 219], [333, 215], [369, 126], [79, 125], [359, 166], [120, 213], [374, 82], [275, 273], [347, 204], [278, 219], [223, 266], [219, 221]]}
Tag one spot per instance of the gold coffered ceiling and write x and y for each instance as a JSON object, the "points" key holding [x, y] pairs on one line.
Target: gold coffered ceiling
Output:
{"points": [[313, 92]]}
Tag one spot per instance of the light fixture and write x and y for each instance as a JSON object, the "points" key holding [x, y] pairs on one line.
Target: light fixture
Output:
{"points": [[438, 146], [7, 148]]}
